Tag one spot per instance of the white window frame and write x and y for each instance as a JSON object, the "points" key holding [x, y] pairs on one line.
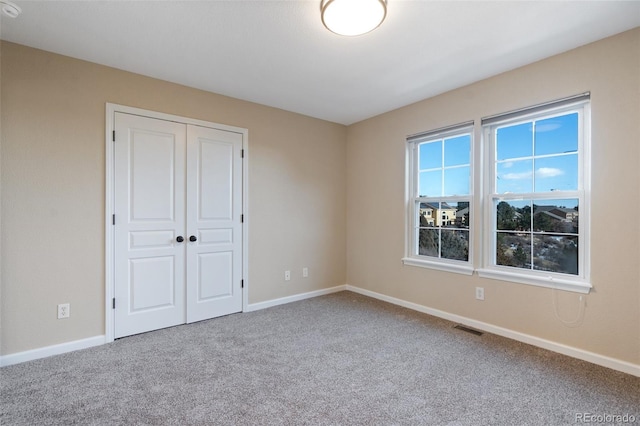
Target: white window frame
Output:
{"points": [[578, 283], [412, 199]]}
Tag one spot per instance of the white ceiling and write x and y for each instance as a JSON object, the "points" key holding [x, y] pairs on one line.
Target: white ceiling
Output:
{"points": [[277, 53]]}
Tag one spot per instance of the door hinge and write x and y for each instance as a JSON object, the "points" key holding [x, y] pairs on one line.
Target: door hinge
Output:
{"points": [[241, 283], [241, 218], [113, 219], [113, 136], [113, 303], [242, 153]]}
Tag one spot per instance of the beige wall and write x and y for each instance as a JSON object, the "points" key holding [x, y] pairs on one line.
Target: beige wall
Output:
{"points": [[610, 70], [53, 191]]}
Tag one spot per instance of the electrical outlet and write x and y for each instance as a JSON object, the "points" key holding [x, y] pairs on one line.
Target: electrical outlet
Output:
{"points": [[63, 310], [287, 275], [305, 272], [480, 293]]}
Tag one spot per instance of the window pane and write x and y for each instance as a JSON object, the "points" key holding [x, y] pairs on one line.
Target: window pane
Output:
{"points": [[513, 215], [557, 135], [430, 184], [555, 253], [513, 250], [456, 181], [556, 173], [456, 150], [514, 177], [430, 155], [463, 214], [514, 142], [455, 244], [428, 242], [556, 216]]}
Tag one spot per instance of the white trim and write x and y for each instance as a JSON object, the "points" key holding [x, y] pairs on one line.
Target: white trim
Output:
{"points": [[295, 298], [594, 358], [549, 281], [48, 351], [111, 109], [535, 109], [245, 224], [441, 266], [441, 133], [109, 231]]}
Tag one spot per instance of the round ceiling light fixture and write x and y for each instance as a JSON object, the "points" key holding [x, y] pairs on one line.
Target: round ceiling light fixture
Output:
{"points": [[10, 9], [353, 17]]}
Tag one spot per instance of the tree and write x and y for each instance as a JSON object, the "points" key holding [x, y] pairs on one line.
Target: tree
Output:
{"points": [[524, 219], [455, 245], [506, 216], [520, 257], [427, 239]]}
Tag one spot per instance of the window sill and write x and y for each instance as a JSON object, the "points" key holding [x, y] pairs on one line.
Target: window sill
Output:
{"points": [[576, 285], [441, 266]]}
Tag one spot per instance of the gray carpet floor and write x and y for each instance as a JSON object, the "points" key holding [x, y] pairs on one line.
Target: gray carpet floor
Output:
{"points": [[341, 359]]}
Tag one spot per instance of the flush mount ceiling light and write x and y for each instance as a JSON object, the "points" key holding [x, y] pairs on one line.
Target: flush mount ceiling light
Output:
{"points": [[353, 17], [10, 9]]}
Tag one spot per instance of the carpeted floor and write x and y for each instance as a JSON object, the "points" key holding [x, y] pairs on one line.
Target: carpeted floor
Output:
{"points": [[341, 359]]}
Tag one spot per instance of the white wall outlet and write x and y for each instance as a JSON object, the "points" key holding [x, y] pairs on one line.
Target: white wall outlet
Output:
{"points": [[287, 275], [63, 310], [305, 272], [480, 293]]}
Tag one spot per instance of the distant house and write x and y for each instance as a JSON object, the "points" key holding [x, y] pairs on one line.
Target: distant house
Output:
{"points": [[444, 215], [557, 213], [552, 216], [426, 211], [568, 215], [462, 217]]}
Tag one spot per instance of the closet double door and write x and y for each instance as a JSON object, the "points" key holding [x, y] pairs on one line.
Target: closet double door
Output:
{"points": [[178, 231]]}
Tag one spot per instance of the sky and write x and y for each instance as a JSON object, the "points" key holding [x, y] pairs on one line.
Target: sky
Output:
{"points": [[538, 156]]}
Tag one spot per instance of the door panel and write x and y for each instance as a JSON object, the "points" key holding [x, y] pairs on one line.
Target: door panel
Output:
{"points": [[140, 240], [152, 187], [214, 206], [152, 283], [149, 208], [215, 236], [215, 178], [215, 278]]}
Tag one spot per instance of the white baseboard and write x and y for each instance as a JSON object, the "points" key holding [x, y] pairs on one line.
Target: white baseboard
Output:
{"points": [[296, 297], [594, 358], [61, 348]]}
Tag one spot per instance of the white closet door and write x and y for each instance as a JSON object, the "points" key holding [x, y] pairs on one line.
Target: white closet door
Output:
{"points": [[150, 218], [214, 229]]}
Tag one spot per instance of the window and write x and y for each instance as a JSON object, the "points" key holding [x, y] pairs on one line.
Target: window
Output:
{"points": [[534, 200], [440, 199], [536, 195]]}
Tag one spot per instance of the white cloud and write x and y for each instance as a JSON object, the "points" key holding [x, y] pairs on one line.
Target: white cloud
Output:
{"points": [[547, 172], [516, 176], [542, 172], [547, 127]]}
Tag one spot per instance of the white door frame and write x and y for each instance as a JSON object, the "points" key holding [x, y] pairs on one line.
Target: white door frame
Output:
{"points": [[111, 109]]}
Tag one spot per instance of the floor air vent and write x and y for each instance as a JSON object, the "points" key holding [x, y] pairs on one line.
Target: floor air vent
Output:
{"points": [[468, 330]]}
